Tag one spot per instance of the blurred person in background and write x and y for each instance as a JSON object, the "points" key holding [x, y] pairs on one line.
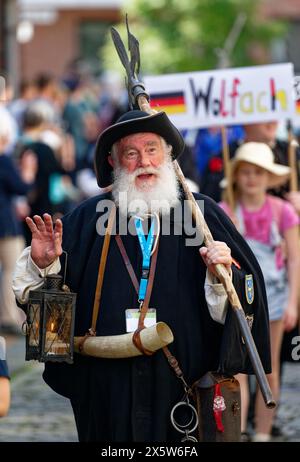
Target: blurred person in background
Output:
{"points": [[208, 145], [266, 133], [4, 381], [73, 115], [55, 159], [47, 87], [17, 107], [10, 123], [113, 100], [268, 224], [39, 126], [11, 240], [263, 132], [86, 177]]}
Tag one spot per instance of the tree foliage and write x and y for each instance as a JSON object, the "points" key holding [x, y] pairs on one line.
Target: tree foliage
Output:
{"points": [[181, 36]]}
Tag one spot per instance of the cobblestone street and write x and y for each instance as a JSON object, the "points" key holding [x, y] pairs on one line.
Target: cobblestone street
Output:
{"points": [[289, 409], [38, 414]]}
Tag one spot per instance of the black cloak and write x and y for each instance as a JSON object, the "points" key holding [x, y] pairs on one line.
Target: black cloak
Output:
{"points": [[131, 399]]}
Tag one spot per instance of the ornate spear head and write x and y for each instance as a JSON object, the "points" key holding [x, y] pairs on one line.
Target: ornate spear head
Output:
{"points": [[134, 86]]}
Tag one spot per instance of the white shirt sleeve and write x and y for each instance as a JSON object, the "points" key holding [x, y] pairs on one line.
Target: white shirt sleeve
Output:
{"points": [[216, 298], [28, 276]]}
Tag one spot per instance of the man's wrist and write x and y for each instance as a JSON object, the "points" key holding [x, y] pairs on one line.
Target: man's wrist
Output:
{"points": [[41, 266], [214, 278]]}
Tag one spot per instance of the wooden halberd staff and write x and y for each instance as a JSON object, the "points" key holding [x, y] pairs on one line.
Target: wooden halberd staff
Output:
{"points": [[292, 146], [138, 96], [227, 170]]}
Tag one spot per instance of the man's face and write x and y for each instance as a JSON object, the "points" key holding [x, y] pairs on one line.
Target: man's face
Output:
{"points": [[261, 132], [144, 152]]}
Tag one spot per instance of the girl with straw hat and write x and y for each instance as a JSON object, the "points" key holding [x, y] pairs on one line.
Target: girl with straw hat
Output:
{"points": [[267, 222]]}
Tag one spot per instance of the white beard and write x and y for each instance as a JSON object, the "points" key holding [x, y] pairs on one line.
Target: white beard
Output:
{"points": [[159, 198]]}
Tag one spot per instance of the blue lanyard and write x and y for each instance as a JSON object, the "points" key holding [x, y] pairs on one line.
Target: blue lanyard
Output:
{"points": [[146, 247]]}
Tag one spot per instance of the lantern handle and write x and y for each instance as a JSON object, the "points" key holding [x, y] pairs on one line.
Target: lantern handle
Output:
{"points": [[25, 328], [65, 268]]}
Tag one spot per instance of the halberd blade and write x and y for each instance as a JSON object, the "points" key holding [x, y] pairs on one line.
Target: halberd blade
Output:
{"points": [[119, 45], [134, 49]]}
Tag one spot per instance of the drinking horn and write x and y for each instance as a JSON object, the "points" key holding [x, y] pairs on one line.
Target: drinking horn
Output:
{"points": [[121, 346]]}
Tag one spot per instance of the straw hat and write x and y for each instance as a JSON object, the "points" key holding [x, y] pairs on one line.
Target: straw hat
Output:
{"points": [[259, 154]]}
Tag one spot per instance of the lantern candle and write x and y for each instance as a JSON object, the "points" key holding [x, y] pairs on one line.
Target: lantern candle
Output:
{"points": [[50, 337]]}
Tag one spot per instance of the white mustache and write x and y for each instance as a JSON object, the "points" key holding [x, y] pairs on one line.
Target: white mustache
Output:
{"points": [[146, 171]]}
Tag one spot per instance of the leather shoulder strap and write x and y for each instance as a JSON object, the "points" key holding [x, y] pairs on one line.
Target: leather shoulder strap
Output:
{"points": [[127, 262], [102, 265], [136, 336]]}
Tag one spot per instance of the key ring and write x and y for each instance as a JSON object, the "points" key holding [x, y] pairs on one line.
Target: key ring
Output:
{"points": [[194, 416]]}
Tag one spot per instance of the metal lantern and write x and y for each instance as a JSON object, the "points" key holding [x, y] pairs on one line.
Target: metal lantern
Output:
{"points": [[50, 322]]}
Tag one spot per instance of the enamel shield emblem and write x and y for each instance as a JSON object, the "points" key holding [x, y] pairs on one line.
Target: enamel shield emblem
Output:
{"points": [[249, 286]]}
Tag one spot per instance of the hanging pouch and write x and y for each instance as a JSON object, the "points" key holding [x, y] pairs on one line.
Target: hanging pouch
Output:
{"points": [[218, 403]]}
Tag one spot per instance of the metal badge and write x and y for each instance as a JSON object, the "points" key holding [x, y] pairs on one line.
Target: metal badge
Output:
{"points": [[249, 287]]}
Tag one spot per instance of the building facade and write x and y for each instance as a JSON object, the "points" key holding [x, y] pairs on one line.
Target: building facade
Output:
{"points": [[64, 31]]}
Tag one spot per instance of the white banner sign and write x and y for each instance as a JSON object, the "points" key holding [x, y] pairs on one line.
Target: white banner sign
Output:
{"points": [[225, 96], [297, 99]]}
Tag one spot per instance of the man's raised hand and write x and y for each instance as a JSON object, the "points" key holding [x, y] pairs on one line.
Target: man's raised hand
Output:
{"points": [[46, 241]]}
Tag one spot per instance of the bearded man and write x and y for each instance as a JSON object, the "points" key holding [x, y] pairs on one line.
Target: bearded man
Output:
{"points": [[130, 399]]}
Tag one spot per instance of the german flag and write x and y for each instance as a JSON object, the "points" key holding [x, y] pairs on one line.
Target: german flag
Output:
{"points": [[171, 103], [298, 106]]}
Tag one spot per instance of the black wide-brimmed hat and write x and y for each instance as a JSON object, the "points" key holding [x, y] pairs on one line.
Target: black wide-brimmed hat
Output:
{"points": [[128, 124]]}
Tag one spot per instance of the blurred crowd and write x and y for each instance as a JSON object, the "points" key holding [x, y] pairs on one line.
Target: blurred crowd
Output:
{"points": [[47, 136]]}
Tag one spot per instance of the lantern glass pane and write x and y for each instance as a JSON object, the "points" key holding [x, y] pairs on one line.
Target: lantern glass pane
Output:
{"points": [[34, 324], [58, 317]]}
